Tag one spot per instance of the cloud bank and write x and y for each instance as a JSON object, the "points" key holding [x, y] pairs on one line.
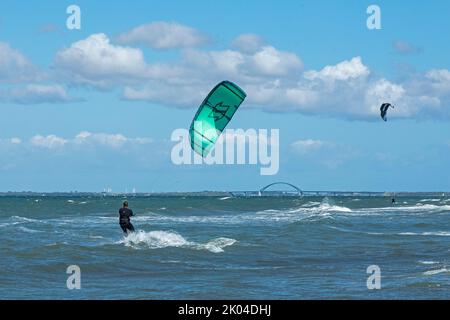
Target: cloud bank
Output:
{"points": [[274, 79], [163, 35]]}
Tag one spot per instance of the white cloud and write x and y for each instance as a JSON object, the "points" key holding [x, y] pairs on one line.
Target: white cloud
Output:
{"points": [[248, 43], [109, 140], [112, 141], [441, 75], [265, 62], [307, 146], [97, 62], [186, 95], [272, 62], [8, 142], [227, 61], [15, 140], [97, 57], [384, 91], [163, 35], [94, 59], [21, 77], [274, 82], [200, 70], [343, 71], [273, 79], [404, 47], [49, 142], [14, 66], [36, 93], [439, 81]]}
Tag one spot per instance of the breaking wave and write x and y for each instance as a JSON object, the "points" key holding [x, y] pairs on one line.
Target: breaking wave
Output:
{"points": [[164, 239], [433, 272]]}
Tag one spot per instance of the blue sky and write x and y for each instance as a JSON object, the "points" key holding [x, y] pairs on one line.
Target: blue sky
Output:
{"points": [[94, 108]]}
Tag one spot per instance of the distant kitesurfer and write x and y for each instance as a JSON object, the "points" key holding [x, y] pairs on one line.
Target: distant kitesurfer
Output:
{"points": [[393, 200], [383, 110], [124, 219]]}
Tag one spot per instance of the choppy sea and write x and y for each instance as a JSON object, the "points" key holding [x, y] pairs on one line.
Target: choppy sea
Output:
{"points": [[225, 247]]}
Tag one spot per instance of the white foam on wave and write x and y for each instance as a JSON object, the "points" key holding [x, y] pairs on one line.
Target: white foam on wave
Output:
{"points": [[428, 262], [433, 272], [322, 208], [437, 233], [225, 198], [96, 237], [56, 244], [315, 210], [430, 200], [372, 233], [28, 230], [309, 211], [24, 219], [7, 224], [419, 208], [311, 204], [164, 239], [333, 208], [155, 239], [429, 207], [218, 244], [433, 233]]}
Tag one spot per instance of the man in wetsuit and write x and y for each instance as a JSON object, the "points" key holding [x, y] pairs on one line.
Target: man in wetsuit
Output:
{"points": [[124, 219]]}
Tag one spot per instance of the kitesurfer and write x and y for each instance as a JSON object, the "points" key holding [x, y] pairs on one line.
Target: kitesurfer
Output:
{"points": [[124, 218], [383, 110]]}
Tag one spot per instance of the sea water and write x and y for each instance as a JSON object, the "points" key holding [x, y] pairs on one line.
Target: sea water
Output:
{"points": [[225, 247]]}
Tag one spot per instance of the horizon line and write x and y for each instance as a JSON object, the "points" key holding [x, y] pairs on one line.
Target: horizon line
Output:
{"points": [[226, 192]]}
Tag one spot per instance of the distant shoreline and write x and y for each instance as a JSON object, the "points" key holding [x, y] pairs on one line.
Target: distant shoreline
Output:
{"points": [[226, 194]]}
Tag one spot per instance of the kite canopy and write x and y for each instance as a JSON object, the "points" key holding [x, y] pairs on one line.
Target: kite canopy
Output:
{"points": [[383, 110], [213, 116]]}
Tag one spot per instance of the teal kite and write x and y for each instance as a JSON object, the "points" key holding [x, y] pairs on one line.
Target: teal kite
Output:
{"points": [[213, 115]]}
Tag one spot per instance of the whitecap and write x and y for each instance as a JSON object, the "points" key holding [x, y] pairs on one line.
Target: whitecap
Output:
{"points": [[428, 262], [164, 239], [24, 219], [217, 245], [333, 208], [433, 272], [27, 230], [155, 239], [433, 233]]}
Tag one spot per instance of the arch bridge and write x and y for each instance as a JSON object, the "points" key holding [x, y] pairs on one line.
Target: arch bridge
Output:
{"points": [[299, 191]]}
